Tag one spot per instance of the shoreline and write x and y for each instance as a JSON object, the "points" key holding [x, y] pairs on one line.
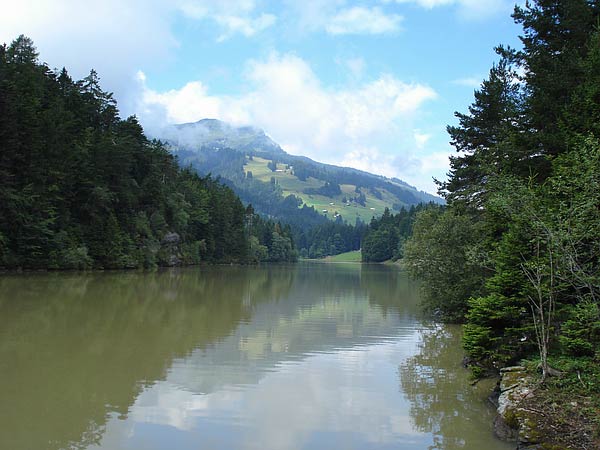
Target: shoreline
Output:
{"points": [[138, 269], [543, 416]]}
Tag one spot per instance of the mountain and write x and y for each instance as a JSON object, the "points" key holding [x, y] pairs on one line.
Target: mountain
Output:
{"points": [[218, 134], [291, 188]]}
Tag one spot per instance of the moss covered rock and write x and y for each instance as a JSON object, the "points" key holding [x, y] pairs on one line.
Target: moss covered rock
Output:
{"points": [[514, 421]]}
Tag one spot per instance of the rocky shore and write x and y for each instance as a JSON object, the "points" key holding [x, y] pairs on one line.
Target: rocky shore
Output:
{"points": [[536, 418], [514, 422]]}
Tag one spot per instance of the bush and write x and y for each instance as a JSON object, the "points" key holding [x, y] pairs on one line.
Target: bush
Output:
{"points": [[580, 334]]}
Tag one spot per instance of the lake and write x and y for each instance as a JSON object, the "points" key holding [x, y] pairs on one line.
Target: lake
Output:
{"points": [[305, 356]]}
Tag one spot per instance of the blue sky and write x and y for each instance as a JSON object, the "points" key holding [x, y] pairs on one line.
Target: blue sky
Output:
{"points": [[366, 84]]}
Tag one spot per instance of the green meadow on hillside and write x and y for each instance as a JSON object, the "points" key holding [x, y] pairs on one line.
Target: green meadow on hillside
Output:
{"points": [[330, 206]]}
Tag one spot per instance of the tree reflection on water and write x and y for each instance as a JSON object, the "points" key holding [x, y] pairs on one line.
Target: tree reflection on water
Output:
{"points": [[442, 399]]}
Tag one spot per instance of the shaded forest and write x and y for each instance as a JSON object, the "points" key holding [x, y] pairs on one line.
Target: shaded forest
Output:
{"points": [[82, 188], [516, 253], [386, 236]]}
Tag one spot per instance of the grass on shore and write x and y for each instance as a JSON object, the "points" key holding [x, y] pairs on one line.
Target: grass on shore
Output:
{"points": [[353, 256]]}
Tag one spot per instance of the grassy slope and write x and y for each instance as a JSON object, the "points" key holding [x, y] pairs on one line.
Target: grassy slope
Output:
{"points": [[292, 185], [353, 256]]}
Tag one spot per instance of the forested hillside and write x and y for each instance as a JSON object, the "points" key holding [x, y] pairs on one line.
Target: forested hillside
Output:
{"points": [[326, 206], [80, 187], [286, 187], [516, 254]]}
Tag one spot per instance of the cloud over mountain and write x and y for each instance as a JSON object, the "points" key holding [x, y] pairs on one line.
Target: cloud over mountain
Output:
{"points": [[286, 98]]}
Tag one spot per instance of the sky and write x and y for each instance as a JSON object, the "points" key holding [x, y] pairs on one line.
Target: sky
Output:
{"points": [[365, 84]]}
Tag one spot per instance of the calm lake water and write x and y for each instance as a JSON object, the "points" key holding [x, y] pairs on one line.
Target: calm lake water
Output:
{"points": [[309, 356]]}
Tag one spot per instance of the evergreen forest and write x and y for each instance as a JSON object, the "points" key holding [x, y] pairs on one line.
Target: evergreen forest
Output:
{"points": [[386, 236], [81, 187], [515, 255]]}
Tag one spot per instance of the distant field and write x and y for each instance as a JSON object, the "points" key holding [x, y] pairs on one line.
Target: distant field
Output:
{"points": [[328, 206], [354, 256]]}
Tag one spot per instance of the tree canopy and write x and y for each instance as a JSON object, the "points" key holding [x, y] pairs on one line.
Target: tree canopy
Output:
{"points": [[81, 187], [516, 253]]}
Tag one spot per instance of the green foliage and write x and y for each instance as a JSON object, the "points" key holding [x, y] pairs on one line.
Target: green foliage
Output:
{"points": [[281, 248], [68, 254], [380, 245], [440, 252], [582, 373], [497, 331], [330, 238], [328, 190], [257, 252], [387, 235], [580, 334], [82, 188], [486, 137], [517, 252], [268, 240]]}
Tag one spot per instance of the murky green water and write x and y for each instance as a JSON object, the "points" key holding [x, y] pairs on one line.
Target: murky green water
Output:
{"points": [[311, 356]]}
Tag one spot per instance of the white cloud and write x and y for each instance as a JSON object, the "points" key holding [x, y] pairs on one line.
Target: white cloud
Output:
{"points": [[370, 159], [232, 16], [436, 164], [115, 37], [199, 9], [287, 95], [364, 127], [417, 170], [282, 95], [336, 17], [245, 26], [360, 20], [471, 82], [421, 138], [436, 161], [311, 15], [467, 9], [429, 4], [482, 9], [356, 66], [182, 105]]}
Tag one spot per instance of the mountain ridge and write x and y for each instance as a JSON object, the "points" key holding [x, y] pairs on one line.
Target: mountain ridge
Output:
{"points": [[215, 124], [279, 184]]}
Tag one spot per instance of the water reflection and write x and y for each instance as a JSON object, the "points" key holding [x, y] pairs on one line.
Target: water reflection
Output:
{"points": [[302, 356], [443, 402], [74, 347]]}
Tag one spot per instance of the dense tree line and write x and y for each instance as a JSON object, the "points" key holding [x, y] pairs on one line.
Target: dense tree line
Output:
{"points": [[330, 238], [381, 240], [269, 240], [327, 190], [80, 187], [516, 254], [385, 237]]}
